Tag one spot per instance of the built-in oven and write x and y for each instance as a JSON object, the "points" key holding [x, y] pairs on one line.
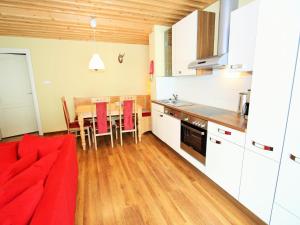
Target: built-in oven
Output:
{"points": [[193, 136]]}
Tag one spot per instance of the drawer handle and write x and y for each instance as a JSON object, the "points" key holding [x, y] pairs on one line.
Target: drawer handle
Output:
{"points": [[295, 158], [215, 141], [161, 115], [263, 147], [224, 131]]}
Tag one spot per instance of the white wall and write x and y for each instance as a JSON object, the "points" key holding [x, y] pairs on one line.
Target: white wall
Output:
{"points": [[219, 90]]}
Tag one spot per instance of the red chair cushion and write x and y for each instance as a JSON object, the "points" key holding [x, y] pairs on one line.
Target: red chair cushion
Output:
{"points": [[17, 167], [8, 154], [20, 210], [40, 145], [75, 124], [39, 170]]}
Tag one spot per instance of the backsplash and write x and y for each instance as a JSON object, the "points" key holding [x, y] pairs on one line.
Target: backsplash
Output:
{"points": [[219, 90]]}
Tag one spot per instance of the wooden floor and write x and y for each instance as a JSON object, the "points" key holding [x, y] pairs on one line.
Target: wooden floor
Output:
{"points": [[148, 183]]}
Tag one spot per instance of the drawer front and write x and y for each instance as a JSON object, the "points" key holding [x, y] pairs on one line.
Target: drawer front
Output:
{"points": [[157, 107], [227, 133]]}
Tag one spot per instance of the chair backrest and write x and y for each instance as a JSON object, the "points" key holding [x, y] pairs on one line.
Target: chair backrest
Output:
{"points": [[102, 111], [66, 111], [128, 105]]}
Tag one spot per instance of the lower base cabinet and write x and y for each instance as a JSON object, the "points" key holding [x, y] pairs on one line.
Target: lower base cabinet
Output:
{"points": [[172, 133], [281, 216], [259, 177], [224, 164]]}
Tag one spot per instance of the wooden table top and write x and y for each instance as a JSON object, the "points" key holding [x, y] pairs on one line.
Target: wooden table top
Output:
{"points": [[220, 116]]}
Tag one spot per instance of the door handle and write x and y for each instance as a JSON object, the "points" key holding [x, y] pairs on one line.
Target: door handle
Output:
{"points": [[263, 147], [215, 141], [295, 158], [224, 131]]}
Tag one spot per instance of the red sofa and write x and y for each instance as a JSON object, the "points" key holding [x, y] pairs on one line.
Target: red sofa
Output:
{"points": [[38, 181]]}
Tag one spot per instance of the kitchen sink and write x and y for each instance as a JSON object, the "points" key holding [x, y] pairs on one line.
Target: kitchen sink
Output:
{"points": [[177, 103]]}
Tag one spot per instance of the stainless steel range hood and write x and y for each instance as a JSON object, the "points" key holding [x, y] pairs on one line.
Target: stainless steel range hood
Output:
{"points": [[220, 60]]}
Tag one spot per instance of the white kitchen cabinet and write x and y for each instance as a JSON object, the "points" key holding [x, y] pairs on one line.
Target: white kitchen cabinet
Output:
{"points": [[273, 72], [157, 115], [172, 133], [281, 216], [288, 187], [185, 45], [242, 40], [224, 163], [259, 176]]}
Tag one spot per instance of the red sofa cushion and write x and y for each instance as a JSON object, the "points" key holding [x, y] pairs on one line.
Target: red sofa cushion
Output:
{"points": [[42, 145], [8, 154], [58, 203], [20, 210], [17, 167], [39, 170]]}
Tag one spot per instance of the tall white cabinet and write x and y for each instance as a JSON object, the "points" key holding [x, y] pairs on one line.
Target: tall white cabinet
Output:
{"points": [[273, 73], [287, 199]]}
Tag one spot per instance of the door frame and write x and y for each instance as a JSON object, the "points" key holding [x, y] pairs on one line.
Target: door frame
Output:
{"points": [[27, 54]]}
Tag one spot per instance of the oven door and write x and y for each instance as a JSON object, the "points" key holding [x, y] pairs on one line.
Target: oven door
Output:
{"points": [[193, 140]]}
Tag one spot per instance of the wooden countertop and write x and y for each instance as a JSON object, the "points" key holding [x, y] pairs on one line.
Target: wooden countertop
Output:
{"points": [[220, 116]]}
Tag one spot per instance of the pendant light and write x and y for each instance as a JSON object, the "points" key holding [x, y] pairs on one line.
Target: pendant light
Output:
{"points": [[96, 62]]}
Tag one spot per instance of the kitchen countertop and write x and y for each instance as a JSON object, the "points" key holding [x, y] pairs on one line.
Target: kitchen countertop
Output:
{"points": [[220, 116]]}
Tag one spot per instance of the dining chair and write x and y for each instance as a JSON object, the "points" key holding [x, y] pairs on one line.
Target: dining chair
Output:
{"points": [[73, 127], [102, 125], [128, 111]]}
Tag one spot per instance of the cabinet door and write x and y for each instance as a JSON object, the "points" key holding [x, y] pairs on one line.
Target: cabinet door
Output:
{"points": [[281, 216], [274, 65], [259, 176], [184, 44], [224, 164], [243, 29], [172, 132], [157, 124], [288, 187]]}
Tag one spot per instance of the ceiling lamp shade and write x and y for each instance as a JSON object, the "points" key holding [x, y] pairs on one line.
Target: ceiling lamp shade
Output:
{"points": [[96, 63]]}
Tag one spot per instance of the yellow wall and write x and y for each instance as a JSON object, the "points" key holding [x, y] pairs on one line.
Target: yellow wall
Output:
{"points": [[65, 64]]}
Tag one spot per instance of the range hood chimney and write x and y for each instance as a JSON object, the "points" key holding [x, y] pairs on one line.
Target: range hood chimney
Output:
{"points": [[220, 60]]}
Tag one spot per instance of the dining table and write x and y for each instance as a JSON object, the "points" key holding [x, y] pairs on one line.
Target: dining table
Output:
{"points": [[88, 111]]}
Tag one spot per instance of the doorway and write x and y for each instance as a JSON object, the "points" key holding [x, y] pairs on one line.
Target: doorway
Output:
{"points": [[19, 112]]}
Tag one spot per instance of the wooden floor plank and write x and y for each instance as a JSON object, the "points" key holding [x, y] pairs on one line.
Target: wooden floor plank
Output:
{"points": [[148, 183]]}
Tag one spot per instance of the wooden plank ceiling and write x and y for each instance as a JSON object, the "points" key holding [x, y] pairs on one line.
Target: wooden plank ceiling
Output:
{"points": [[125, 21]]}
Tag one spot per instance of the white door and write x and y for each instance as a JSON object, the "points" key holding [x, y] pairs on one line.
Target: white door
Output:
{"points": [[273, 72], [17, 114], [184, 44], [259, 176], [288, 187], [172, 132], [224, 164]]}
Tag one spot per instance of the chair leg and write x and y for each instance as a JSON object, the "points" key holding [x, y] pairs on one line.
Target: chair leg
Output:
{"points": [[89, 137], [111, 139], [95, 139], [135, 135], [121, 137], [116, 128]]}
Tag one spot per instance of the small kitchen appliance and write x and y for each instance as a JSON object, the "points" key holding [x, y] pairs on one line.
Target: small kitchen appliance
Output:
{"points": [[244, 101]]}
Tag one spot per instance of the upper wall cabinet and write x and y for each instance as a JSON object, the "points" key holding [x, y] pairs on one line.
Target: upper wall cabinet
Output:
{"points": [[192, 38], [242, 40]]}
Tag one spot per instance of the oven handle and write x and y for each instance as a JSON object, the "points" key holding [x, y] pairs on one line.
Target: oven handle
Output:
{"points": [[193, 129]]}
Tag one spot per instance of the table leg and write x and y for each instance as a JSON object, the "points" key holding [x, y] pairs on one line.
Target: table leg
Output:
{"points": [[82, 134], [139, 123]]}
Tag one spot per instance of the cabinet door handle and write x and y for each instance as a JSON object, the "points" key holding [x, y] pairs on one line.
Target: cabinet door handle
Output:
{"points": [[236, 66], [295, 158], [224, 131], [215, 141], [179, 71], [161, 115], [263, 147]]}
